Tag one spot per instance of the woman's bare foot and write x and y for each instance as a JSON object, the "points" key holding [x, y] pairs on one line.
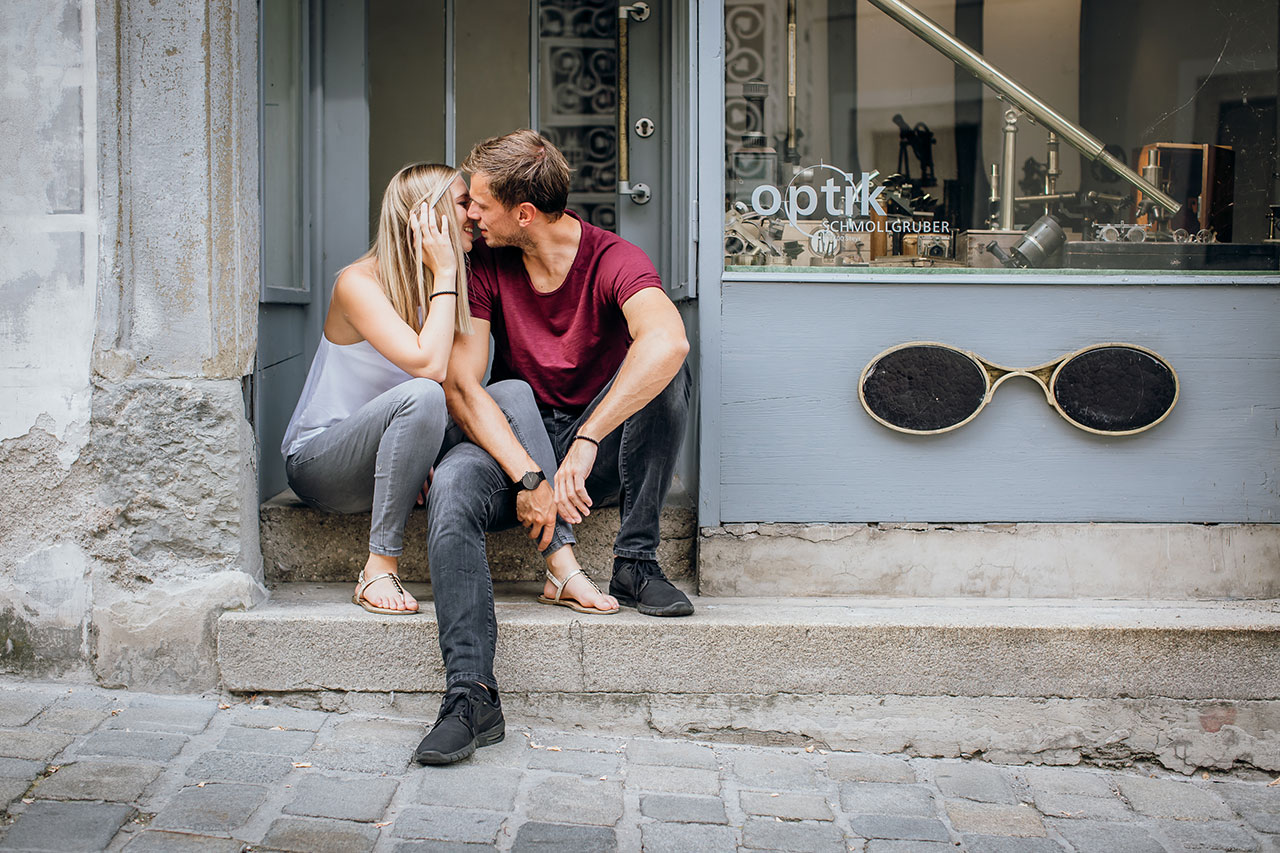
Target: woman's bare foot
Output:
{"points": [[562, 564], [383, 593]]}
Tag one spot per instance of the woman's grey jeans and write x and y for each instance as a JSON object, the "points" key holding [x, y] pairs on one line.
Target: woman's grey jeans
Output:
{"points": [[377, 459]]}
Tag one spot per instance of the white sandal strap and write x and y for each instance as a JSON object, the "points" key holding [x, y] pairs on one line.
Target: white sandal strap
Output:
{"points": [[364, 584], [560, 584]]}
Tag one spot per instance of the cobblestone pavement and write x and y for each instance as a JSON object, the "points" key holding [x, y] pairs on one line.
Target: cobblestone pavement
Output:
{"points": [[82, 768]]}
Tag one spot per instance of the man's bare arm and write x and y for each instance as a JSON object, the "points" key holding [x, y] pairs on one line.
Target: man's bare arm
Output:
{"points": [[486, 426], [658, 349]]}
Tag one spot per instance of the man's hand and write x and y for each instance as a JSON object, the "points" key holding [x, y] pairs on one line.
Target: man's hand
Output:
{"points": [[571, 481], [536, 509]]}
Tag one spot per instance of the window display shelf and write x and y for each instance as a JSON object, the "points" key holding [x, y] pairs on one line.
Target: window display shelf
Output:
{"points": [[961, 275]]}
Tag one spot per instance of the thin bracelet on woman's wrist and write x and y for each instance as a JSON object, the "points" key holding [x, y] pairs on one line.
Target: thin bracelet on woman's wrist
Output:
{"points": [[581, 437], [442, 293]]}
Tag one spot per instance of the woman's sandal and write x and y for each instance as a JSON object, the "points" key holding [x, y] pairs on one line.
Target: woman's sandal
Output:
{"points": [[363, 584], [571, 603]]}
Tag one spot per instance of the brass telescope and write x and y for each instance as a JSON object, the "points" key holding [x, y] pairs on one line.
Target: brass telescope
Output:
{"points": [[1013, 92]]}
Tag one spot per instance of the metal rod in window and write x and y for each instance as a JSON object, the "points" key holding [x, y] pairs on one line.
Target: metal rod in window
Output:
{"points": [[792, 153], [967, 58]]}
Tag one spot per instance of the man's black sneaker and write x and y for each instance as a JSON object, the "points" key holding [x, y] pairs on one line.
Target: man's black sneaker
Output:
{"points": [[641, 584], [470, 716]]}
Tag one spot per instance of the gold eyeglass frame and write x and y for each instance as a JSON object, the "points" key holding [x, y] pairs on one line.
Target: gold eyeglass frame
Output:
{"points": [[1045, 375]]}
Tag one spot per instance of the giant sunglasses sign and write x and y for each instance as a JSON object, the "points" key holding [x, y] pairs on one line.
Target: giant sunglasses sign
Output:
{"points": [[924, 387], [844, 203]]}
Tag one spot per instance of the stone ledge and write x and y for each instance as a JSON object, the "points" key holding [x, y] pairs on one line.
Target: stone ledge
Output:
{"points": [[303, 544], [1190, 685], [1125, 561], [1178, 733]]}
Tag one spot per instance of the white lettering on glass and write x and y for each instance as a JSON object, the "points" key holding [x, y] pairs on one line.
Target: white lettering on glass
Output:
{"points": [[841, 198]]}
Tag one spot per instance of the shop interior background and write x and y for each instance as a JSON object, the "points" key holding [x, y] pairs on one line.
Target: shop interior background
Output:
{"points": [[1132, 74]]}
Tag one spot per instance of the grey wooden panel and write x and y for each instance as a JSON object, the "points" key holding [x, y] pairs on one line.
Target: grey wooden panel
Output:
{"points": [[797, 446], [278, 387], [407, 56], [281, 334]]}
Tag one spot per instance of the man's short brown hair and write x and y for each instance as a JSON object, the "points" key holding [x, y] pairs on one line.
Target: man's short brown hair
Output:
{"points": [[523, 166]]}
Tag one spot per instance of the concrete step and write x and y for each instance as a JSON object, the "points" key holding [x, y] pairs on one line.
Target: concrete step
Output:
{"points": [[303, 544], [1189, 683]]}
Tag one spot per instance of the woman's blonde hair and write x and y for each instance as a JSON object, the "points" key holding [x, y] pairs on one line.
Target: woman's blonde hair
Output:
{"points": [[406, 281]]}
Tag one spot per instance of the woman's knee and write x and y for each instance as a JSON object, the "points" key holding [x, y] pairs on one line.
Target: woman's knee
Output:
{"points": [[422, 398], [513, 396]]}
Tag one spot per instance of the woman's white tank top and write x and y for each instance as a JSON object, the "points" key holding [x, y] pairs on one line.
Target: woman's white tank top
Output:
{"points": [[341, 380]]}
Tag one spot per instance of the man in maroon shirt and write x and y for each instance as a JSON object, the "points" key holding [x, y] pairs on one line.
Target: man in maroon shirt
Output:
{"points": [[580, 315]]}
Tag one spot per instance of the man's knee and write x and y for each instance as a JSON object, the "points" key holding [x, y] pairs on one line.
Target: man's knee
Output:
{"points": [[671, 405]]}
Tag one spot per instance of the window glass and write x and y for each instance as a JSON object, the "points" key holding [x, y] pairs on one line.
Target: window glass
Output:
{"points": [[1002, 135], [282, 104]]}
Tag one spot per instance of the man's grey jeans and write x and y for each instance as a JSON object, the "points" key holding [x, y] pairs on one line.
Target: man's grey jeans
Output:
{"points": [[471, 494]]}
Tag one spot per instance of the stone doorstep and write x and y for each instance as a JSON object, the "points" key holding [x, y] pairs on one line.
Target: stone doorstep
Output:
{"points": [[303, 544], [957, 647]]}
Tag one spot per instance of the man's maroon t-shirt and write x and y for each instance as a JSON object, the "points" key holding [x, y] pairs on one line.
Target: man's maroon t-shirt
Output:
{"points": [[569, 343]]}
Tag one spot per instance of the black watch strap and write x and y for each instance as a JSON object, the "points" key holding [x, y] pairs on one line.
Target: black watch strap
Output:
{"points": [[530, 481]]}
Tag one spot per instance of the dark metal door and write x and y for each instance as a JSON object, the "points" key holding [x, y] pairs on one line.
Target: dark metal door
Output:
{"points": [[613, 86]]}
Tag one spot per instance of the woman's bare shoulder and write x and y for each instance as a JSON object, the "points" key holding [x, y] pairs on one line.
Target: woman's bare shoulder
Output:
{"points": [[358, 280]]}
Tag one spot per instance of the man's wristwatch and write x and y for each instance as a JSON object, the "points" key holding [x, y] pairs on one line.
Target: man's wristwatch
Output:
{"points": [[530, 481]]}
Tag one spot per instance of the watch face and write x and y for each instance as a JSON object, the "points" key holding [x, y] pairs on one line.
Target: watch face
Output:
{"points": [[531, 480]]}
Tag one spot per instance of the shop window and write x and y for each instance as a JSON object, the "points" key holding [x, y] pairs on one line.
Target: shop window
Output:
{"points": [[1106, 136]]}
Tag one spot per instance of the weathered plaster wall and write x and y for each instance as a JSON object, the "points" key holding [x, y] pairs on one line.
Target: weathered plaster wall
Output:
{"points": [[47, 224], [128, 291], [48, 277]]}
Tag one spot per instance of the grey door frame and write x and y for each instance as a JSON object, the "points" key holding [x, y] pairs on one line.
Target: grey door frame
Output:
{"points": [[342, 140], [709, 200], [337, 140], [284, 306]]}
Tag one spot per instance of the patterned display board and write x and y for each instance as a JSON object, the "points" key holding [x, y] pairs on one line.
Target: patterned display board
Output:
{"points": [[577, 99]]}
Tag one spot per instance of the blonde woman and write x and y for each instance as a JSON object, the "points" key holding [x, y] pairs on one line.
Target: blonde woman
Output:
{"points": [[371, 420]]}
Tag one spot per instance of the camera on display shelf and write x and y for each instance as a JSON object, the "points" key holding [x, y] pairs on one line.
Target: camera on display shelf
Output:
{"points": [[937, 246]]}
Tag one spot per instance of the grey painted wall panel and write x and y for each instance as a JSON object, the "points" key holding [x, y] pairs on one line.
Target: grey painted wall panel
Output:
{"points": [[406, 91], [491, 70], [797, 446]]}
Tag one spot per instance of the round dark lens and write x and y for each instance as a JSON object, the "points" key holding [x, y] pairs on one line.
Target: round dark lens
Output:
{"points": [[924, 388], [1115, 389]]}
